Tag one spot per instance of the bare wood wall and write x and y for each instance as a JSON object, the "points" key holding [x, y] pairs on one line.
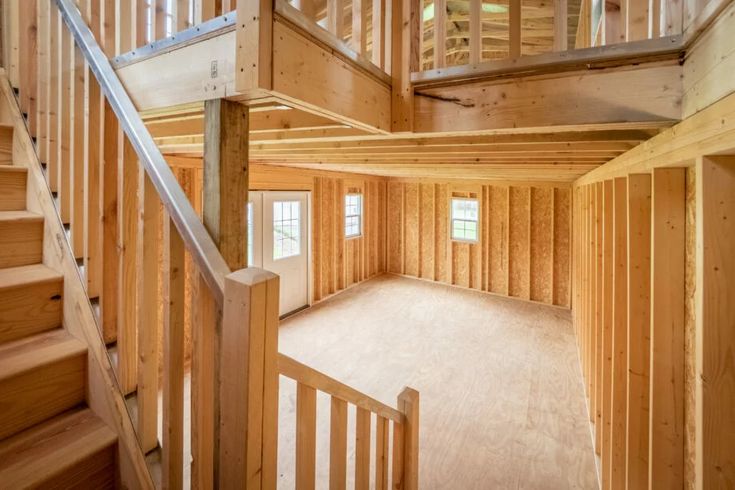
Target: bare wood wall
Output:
{"points": [[523, 249]]}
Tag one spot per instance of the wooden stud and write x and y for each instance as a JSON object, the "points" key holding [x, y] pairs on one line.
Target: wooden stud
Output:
{"points": [[619, 400], [668, 241], [639, 328], [172, 467], [715, 339], [607, 329], [598, 315], [338, 445]]}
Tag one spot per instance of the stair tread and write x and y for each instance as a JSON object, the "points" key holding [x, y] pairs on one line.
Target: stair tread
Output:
{"points": [[26, 274], [13, 169], [20, 216], [51, 448], [28, 353]]}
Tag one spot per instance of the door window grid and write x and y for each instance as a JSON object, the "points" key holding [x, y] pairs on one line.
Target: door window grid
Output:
{"points": [[464, 219], [286, 229], [353, 215]]}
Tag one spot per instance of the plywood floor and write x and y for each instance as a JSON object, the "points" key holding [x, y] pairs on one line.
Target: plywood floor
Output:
{"points": [[502, 403]]}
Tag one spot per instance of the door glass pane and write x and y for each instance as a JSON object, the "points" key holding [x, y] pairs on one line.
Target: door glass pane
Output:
{"points": [[251, 235], [286, 229]]}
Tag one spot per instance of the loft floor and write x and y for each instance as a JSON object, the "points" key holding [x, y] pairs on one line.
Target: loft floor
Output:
{"points": [[502, 401]]}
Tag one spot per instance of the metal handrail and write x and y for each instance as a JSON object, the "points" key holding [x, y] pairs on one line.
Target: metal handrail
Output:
{"points": [[203, 250]]}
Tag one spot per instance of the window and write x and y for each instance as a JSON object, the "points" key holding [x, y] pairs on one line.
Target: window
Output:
{"points": [[353, 215], [464, 219], [286, 229]]}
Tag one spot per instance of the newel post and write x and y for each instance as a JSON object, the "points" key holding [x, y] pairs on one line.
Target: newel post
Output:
{"points": [[249, 381], [408, 404]]}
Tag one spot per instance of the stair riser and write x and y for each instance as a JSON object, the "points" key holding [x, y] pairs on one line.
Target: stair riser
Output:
{"points": [[30, 308], [98, 471], [12, 190], [6, 146], [21, 242], [35, 395]]}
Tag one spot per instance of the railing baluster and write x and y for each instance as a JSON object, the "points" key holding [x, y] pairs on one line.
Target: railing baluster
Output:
{"points": [[379, 33], [305, 437], [27, 51], [560, 25], [65, 122], [203, 392], [397, 473], [181, 15], [173, 356], [335, 17], [381, 453], [475, 31], [149, 322], [159, 22], [41, 130], [338, 444], [127, 344], [110, 227], [362, 450], [440, 34], [359, 26], [141, 23], [515, 29], [52, 162], [78, 156]]}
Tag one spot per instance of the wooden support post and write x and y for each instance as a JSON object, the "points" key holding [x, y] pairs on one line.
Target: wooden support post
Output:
{"points": [[639, 328], [226, 178], [440, 34], [173, 356], [475, 31], [619, 409], [335, 17], [249, 393], [254, 46], [515, 29], [405, 58], [149, 297], [560, 25], [408, 404], [715, 317], [668, 244]]}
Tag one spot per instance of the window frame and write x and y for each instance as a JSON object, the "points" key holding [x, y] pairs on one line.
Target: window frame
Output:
{"points": [[452, 219], [359, 214]]}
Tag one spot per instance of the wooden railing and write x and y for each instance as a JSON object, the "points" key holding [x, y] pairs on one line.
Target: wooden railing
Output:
{"points": [[143, 250], [365, 37]]}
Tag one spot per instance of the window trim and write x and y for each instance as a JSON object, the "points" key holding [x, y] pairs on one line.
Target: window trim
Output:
{"points": [[359, 215], [452, 219]]}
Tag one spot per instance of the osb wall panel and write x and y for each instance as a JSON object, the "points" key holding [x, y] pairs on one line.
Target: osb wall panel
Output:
{"points": [[523, 246]]}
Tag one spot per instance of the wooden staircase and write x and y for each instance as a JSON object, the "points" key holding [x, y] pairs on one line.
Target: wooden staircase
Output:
{"points": [[49, 438]]}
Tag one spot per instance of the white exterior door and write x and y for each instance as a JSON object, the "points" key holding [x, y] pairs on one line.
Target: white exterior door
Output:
{"points": [[278, 228]]}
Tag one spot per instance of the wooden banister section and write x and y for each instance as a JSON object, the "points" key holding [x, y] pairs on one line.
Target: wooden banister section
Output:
{"points": [[304, 374]]}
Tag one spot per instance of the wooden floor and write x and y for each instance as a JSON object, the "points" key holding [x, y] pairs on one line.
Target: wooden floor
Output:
{"points": [[502, 401]]}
